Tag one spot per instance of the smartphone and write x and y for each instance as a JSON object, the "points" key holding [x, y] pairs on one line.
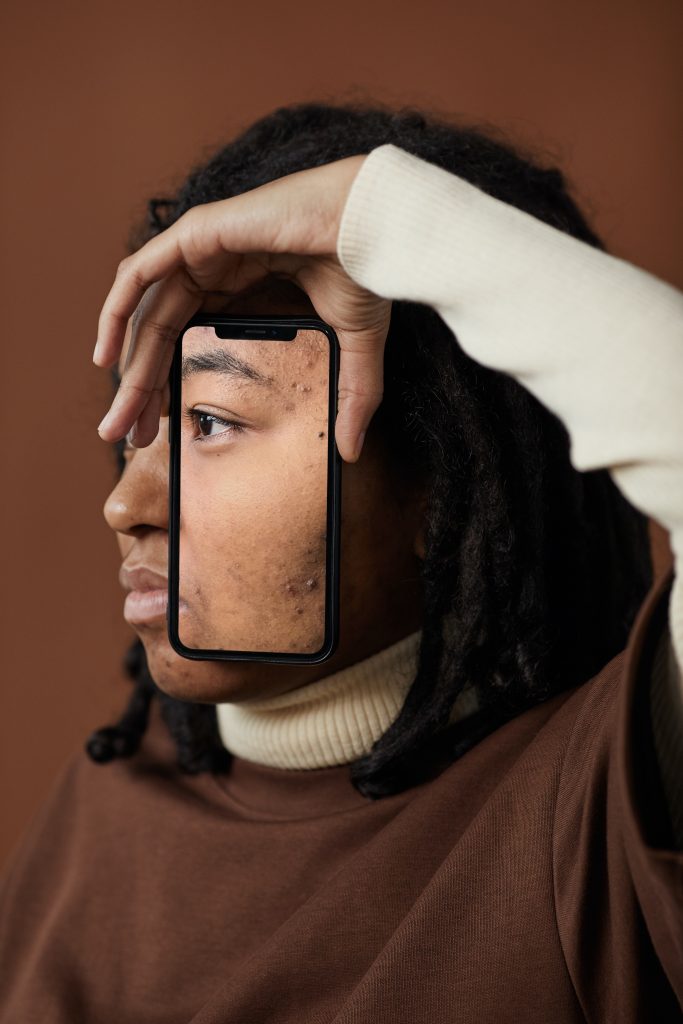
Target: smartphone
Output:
{"points": [[254, 490]]}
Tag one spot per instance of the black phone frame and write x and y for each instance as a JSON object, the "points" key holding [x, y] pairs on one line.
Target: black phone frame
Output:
{"points": [[333, 540]]}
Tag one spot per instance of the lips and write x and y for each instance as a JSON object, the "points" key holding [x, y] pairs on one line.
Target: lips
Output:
{"points": [[147, 600], [141, 577]]}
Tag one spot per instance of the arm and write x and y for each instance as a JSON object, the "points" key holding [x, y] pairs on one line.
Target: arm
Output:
{"points": [[600, 343], [596, 339]]}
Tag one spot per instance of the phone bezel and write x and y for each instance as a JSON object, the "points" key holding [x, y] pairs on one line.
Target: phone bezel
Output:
{"points": [[333, 545]]}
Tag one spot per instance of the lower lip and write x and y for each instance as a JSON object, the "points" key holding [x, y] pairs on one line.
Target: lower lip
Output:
{"points": [[147, 606]]}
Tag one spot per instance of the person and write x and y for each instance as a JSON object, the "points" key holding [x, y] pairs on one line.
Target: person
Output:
{"points": [[473, 810]]}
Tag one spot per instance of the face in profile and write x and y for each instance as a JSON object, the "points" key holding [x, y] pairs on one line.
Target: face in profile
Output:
{"points": [[253, 460], [252, 524]]}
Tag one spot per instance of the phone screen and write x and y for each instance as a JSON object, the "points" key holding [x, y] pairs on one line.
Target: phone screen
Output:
{"points": [[254, 489]]}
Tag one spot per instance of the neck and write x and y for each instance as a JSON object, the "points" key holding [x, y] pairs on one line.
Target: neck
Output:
{"points": [[333, 720]]}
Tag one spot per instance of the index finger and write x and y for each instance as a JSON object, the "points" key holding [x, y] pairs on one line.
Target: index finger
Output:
{"points": [[134, 275], [158, 319], [198, 241]]}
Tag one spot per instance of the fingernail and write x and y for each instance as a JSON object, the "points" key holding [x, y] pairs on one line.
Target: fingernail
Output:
{"points": [[359, 446], [132, 434]]}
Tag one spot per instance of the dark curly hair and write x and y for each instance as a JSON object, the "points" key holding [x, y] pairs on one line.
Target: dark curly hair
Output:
{"points": [[533, 572]]}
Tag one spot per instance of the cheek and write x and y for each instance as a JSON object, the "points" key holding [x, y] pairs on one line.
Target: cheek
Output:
{"points": [[253, 533], [256, 507]]}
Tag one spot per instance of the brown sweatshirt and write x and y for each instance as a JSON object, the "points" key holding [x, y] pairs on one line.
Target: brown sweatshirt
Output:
{"points": [[533, 880]]}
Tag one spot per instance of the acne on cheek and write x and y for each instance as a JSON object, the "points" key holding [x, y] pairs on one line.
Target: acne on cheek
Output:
{"points": [[299, 591], [300, 587]]}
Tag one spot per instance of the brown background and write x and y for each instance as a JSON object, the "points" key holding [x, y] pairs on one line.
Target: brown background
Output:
{"points": [[106, 104]]}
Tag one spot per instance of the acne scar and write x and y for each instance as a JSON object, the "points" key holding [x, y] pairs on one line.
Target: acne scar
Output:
{"points": [[296, 590]]}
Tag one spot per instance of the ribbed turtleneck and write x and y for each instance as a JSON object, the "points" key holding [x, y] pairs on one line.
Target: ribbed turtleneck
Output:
{"points": [[333, 720]]}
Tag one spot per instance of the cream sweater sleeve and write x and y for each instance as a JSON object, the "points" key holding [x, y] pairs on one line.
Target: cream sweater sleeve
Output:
{"points": [[596, 339]]}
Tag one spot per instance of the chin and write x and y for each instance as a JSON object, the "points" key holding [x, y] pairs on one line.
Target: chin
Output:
{"points": [[203, 682]]}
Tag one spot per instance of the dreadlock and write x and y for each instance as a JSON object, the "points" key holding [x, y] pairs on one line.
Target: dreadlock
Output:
{"points": [[533, 572]]}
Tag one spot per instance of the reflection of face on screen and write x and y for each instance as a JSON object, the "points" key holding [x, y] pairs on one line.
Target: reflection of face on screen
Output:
{"points": [[253, 492]]}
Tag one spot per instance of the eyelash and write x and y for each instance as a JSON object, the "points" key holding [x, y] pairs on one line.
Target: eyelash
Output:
{"points": [[194, 414]]}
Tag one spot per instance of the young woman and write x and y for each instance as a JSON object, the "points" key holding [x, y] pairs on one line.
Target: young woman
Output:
{"points": [[472, 812]]}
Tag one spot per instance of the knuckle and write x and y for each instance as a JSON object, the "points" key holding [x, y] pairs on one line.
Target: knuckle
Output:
{"points": [[192, 215], [161, 332], [131, 385], [191, 226], [128, 268], [153, 329]]}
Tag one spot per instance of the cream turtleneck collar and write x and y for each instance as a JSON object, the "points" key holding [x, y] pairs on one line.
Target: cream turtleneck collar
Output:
{"points": [[333, 720]]}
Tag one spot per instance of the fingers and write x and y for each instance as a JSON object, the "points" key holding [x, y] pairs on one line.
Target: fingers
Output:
{"points": [[146, 427], [166, 281], [163, 312], [208, 241], [157, 258], [361, 386]]}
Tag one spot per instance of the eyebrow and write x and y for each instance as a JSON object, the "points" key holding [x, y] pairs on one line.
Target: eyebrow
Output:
{"points": [[221, 361]]}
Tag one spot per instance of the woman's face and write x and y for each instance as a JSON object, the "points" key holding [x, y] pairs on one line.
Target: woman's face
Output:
{"points": [[252, 577]]}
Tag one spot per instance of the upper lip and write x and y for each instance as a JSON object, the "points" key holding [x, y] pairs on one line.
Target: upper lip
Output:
{"points": [[140, 577]]}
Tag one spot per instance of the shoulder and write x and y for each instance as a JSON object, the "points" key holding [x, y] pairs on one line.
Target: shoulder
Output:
{"points": [[94, 811]]}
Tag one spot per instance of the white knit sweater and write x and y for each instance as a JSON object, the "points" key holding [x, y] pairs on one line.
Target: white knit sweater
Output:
{"points": [[596, 339]]}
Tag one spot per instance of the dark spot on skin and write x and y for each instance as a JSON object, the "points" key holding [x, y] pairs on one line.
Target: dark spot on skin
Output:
{"points": [[321, 434], [299, 611]]}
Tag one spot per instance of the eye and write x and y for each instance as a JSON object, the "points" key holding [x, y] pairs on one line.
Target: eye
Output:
{"points": [[205, 421]]}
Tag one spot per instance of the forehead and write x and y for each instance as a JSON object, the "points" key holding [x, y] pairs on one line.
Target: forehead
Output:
{"points": [[256, 363], [271, 295]]}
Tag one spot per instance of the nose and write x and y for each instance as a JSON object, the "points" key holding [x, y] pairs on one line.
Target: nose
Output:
{"points": [[139, 500]]}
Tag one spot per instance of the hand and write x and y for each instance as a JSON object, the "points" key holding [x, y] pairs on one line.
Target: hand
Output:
{"points": [[287, 228]]}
